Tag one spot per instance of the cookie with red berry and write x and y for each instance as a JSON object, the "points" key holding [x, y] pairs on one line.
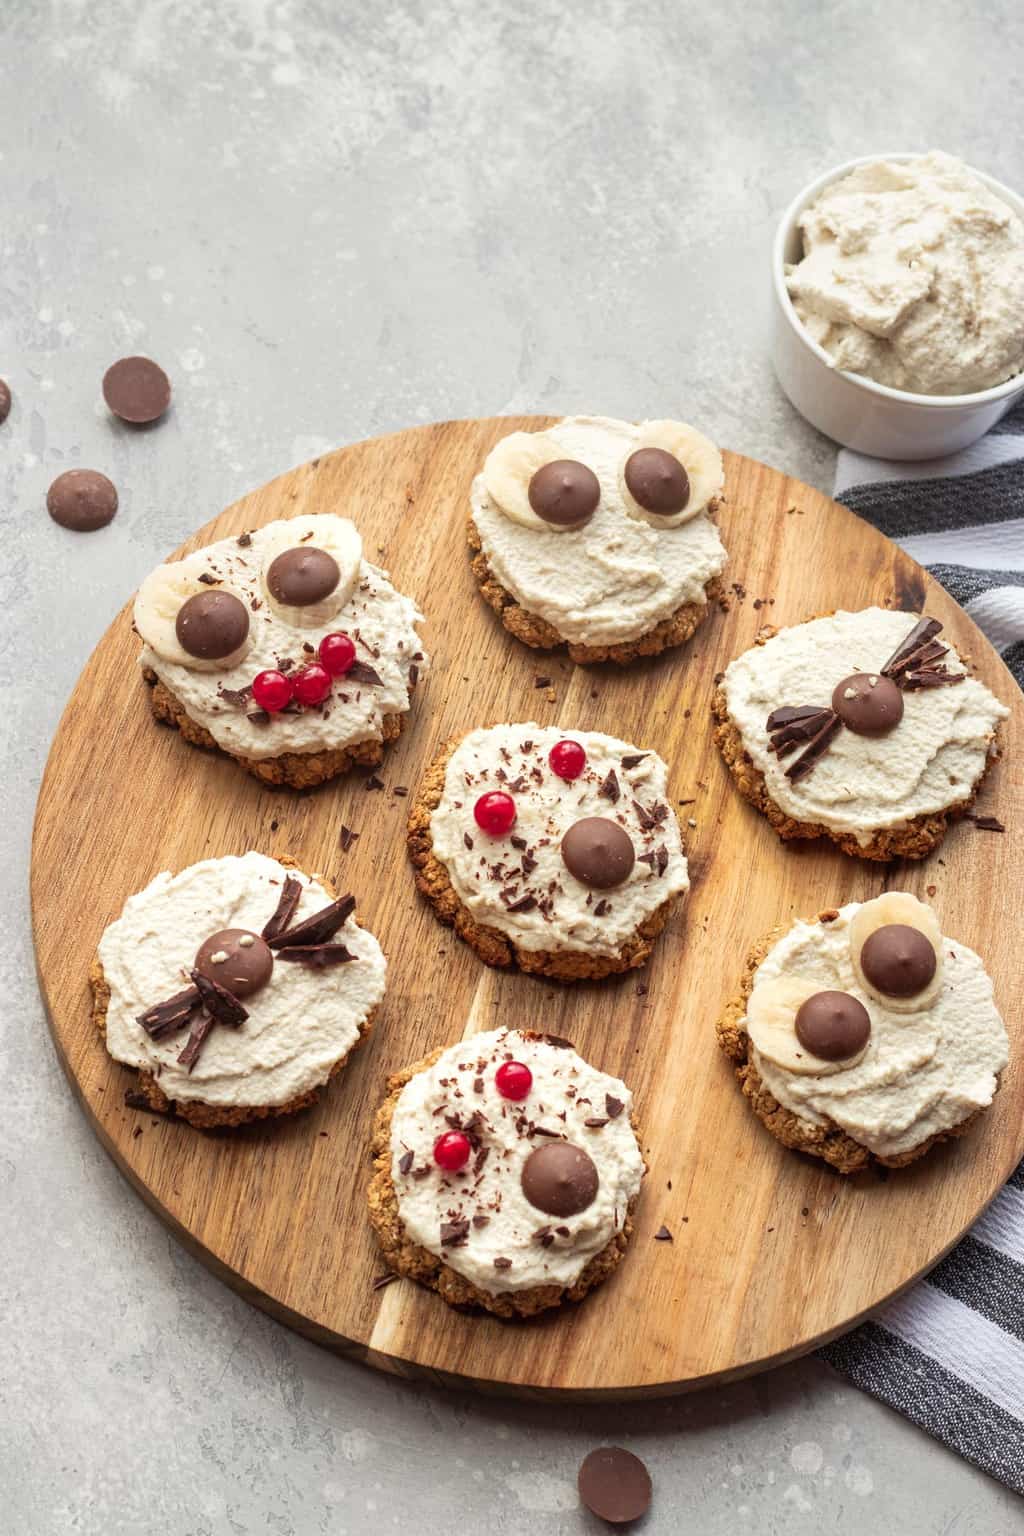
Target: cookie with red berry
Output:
{"points": [[284, 648], [236, 988], [506, 1172], [600, 535], [557, 851]]}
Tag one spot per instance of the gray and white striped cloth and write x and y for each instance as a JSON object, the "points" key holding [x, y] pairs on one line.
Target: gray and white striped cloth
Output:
{"points": [[950, 1354]]}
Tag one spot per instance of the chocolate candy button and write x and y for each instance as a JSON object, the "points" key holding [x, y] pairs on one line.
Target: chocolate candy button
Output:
{"points": [[559, 1180], [868, 703], [212, 624], [615, 1485], [833, 1025], [898, 960], [657, 481], [301, 576], [564, 493], [237, 959], [598, 852], [82, 500], [137, 390]]}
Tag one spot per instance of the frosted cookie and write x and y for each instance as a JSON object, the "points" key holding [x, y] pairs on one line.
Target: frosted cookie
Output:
{"points": [[556, 851], [506, 1169], [599, 535], [866, 1034], [236, 988], [283, 647], [860, 727]]}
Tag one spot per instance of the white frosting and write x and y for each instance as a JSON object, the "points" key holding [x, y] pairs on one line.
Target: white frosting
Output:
{"points": [[352, 712], [569, 915], [617, 577], [565, 1092], [300, 1024], [931, 760], [913, 274], [923, 1072]]}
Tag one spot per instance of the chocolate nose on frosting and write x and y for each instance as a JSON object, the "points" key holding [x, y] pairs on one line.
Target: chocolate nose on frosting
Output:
{"points": [[236, 958], [657, 481], [212, 624], [598, 852], [302, 576], [564, 493], [868, 703], [898, 959], [559, 1179]]}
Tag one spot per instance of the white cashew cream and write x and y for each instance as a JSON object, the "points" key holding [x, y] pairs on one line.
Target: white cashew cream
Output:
{"points": [[913, 275], [300, 1024], [487, 1195], [492, 875], [922, 1073], [931, 760], [617, 577]]}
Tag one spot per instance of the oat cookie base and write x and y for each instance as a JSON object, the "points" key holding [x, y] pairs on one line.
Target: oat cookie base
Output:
{"points": [[914, 839], [414, 1262], [542, 636], [208, 1116], [494, 948], [826, 1141], [298, 770]]}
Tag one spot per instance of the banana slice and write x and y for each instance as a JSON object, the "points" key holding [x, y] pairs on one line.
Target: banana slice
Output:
{"points": [[161, 599], [895, 957], [699, 458], [771, 1024], [508, 470], [311, 566]]}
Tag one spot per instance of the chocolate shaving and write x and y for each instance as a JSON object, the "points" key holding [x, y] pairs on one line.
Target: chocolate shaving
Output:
{"points": [[285, 909], [502, 1263], [373, 782], [923, 631], [602, 907], [346, 837], [258, 717], [541, 682], [541, 1130], [815, 749], [414, 675], [595, 1122], [239, 697], [480, 1220], [930, 677], [317, 956], [454, 1233], [133, 1099], [467, 840], [382, 1280], [315, 930], [650, 817], [244, 540], [222, 1006], [663, 1235], [207, 579], [401, 790], [405, 1162], [519, 843], [360, 672], [634, 758], [170, 1015], [559, 1042], [481, 1157], [612, 1106], [524, 904], [609, 787], [196, 1040], [805, 723], [987, 823]]}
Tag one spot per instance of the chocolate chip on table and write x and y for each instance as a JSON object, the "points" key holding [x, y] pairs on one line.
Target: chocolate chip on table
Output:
{"points": [[5, 401], [82, 500], [137, 390], [615, 1484]]}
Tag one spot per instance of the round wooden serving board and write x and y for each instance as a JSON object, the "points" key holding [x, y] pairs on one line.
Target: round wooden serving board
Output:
{"points": [[772, 1253]]}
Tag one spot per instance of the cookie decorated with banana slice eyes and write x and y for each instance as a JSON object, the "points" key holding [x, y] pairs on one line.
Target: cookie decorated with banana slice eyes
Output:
{"points": [[284, 648], [600, 535], [866, 1034]]}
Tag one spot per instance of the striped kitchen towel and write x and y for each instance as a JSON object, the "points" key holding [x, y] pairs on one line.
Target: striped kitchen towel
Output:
{"points": [[950, 1354]]}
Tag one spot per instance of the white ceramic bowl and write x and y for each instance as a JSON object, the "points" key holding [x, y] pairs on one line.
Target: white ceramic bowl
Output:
{"points": [[857, 412]]}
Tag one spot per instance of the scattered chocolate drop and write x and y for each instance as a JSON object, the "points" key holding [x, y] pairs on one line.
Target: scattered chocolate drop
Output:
{"points": [[657, 481], [598, 852], [869, 703], [137, 390], [564, 493], [833, 1025], [236, 959], [5, 401], [212, 624], [898, 960], [302, 576], [615, 1485], [82, 500], [559, 1179]]}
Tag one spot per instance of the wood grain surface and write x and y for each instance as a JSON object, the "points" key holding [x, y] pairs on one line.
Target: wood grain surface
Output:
{"points": [[772, 1252]]}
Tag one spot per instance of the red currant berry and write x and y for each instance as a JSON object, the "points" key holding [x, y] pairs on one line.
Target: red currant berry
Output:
{"points": [[271, 691], [337, 653], [567, 759], [495, 812], [312, 684], [513, 1080], [451, 1151]]}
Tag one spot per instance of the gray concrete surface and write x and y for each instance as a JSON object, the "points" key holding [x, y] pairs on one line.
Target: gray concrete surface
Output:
{"points": [[328, 219]]}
